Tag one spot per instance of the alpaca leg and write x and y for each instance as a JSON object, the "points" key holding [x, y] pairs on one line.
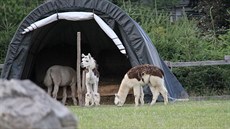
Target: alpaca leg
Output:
{"points": [[137, 93], [96, 99], [155, 93], [92, 99], [89, 95], [73, 94], [142, 96], [87, 99], [96, 95], [88, 87], [64, 94], [50, 88], [56, 88], [164, 93], [95, 87]]}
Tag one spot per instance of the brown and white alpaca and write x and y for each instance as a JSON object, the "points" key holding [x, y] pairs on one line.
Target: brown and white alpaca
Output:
{"points": [[61, 76], [91, 80], [139, 76]]}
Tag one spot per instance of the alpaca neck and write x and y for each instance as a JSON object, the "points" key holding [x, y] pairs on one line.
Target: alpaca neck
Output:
{"points": [[123, 90], [91, 68], [90, 72], [92, 65]]}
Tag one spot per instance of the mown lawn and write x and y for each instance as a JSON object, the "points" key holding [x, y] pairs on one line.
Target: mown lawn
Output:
{"points": [[211, 114]]}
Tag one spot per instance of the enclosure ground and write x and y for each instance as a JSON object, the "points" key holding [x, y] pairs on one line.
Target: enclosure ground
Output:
{"points": [[207, 114]]}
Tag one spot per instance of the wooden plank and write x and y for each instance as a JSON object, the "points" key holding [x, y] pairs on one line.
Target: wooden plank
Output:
{"points": [[197, 63], [105, 90], [226, 61], [110, 90]]}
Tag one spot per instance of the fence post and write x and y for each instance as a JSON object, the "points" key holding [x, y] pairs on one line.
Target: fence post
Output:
{"points": [[79, 89], [227, 58]]}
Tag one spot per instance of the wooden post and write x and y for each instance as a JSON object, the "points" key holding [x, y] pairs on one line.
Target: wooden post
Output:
{"points": [[227, 58], [79, 89]]}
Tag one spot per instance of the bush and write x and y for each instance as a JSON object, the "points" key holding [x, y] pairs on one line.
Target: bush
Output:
{"points": [[209, 80]]}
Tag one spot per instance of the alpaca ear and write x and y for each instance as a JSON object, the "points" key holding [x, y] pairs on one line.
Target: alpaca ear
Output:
{"points": [[89, 55], [116, 95], [82, 55]]}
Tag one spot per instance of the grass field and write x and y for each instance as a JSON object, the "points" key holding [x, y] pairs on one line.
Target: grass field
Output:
{"points": [[211, 114]]}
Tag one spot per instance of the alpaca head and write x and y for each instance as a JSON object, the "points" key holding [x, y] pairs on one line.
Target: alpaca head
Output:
{"points": [[87, 61], [118, 100]]}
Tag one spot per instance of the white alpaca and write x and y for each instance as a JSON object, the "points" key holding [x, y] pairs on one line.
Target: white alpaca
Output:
{"points": [[91, 80], [139, 76], [61, 76]]}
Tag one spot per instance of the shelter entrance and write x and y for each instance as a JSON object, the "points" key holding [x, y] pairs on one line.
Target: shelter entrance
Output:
{"points": [[56, 43]]}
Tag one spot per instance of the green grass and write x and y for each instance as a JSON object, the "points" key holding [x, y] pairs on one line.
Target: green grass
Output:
{"points": [[180, 115]]}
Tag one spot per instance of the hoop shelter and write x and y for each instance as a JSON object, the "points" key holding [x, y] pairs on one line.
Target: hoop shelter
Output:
{"points": [[48, 36]]}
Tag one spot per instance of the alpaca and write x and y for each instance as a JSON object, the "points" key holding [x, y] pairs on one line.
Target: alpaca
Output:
{"points": [[139, 76], [91, 80], [61, 76]]}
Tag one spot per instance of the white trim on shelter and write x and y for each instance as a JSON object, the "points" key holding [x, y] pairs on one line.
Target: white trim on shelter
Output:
{"points": [[78, 16]]}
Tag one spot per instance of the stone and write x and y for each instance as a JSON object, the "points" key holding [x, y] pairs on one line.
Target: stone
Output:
{"points": [[24, 105]]}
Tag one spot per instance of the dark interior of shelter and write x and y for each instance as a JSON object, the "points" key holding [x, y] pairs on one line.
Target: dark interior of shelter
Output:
{"points": [[56, 43]]}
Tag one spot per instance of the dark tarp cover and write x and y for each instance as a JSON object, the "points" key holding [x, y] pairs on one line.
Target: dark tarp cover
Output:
{"points": [[23, 48]]}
